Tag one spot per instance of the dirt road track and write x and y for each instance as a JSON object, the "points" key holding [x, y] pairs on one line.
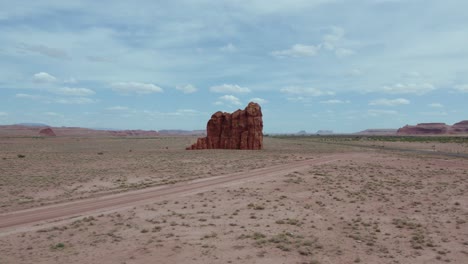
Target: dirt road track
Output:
{"points": [[13, 220]]}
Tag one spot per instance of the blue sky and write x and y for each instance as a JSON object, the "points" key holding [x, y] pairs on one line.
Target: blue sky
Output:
{"points": [[314, 64]]}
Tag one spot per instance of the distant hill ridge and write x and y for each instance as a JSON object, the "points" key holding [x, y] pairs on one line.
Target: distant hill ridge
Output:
{"points": [[34, 129], [434, 129]]}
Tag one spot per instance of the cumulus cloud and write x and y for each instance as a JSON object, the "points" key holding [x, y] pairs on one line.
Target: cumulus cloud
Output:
{"points": [[74, 91], [135, 87], [228, 48], [229, 88], [436, 105], [187, 89], [305, 91], [44, 77], [462, 88], [229, 99], [297, 50], [410, 88], [259, 100], [44, 50], [390, 102]]}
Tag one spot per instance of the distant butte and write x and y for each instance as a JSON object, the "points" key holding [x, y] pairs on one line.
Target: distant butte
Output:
{"points": [[434, 129], [48, 132], [242, 129]]}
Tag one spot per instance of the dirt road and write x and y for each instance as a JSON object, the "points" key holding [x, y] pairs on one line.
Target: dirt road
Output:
{"points": [[14, 220]]}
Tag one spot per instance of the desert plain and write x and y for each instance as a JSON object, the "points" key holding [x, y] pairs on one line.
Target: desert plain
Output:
{"points": [[299, 200]]}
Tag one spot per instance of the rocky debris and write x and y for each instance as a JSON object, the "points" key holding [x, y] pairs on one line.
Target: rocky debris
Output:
{"points": [[48, 132], [434, 129], [242, 129]]}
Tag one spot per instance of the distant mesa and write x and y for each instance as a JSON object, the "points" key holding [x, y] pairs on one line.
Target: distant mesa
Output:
{"points": [[133, 133], [48, 132], [324, 132], [378, 132], [434, 129], [242, 129]]}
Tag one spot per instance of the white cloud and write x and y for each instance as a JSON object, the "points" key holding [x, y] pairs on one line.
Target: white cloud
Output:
{"points": [[45, 99], [76, 100], [305, 91], [376, 112], [436, 105], [136, 87], [117, 108], [74, 91], [229, 88], [411, 88], [334, 101], [390, 102], [230, 99], [297, 50], [53, 114], [44, 77], [187, 89], [3, 113], [462, 88], [228, 48], [259, 100]]}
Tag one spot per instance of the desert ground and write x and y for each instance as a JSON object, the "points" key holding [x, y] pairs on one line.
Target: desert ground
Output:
{"points": [[300, 200]]}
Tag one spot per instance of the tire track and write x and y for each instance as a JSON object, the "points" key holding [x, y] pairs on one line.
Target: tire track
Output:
{"points": [[69, 210]]}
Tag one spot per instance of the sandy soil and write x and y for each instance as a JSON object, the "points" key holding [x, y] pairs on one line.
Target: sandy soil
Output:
{"points": [[367, 206]]}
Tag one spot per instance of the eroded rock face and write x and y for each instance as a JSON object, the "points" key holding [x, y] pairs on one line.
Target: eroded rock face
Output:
{"points": [[47, 132], [242, 129]]}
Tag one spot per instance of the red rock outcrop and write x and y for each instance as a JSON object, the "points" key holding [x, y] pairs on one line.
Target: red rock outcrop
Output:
{"points": [[434, 129], [242, 129], [48, 132]]}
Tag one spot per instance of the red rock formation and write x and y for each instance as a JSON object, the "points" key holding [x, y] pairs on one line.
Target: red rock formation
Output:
{"points": [[434, 129], [242, 129], [460, 128], [48, 132]]}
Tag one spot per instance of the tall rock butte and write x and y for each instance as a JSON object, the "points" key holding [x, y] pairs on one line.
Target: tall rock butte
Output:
{"points": [[242, 129]]}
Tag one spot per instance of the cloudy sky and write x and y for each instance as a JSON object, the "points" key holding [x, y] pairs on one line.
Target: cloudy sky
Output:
{"points": [[312, 64]]}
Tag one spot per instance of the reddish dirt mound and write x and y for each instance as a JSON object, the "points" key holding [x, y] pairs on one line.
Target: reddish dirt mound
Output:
{"points": [[242, 129], [48, 132]]}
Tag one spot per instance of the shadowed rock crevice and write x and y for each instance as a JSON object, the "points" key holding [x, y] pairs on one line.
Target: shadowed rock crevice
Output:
{"points": [[242, 129]]}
